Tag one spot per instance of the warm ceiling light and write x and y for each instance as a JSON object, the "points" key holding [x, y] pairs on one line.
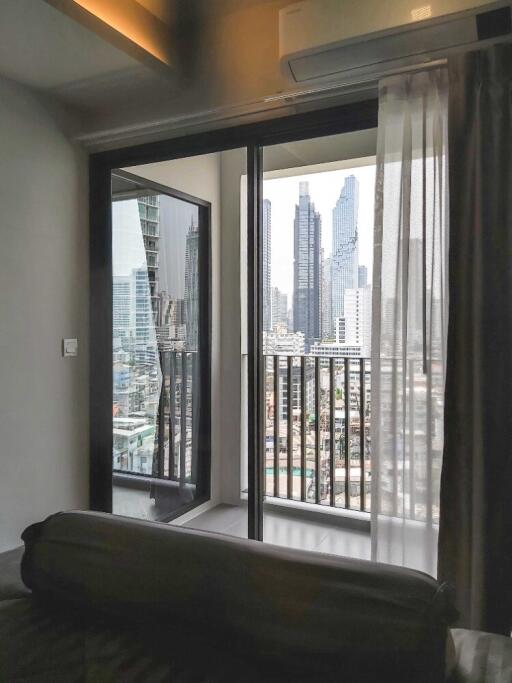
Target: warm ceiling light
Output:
{"points": [[421, 13], [126, 24], [126, 18]]}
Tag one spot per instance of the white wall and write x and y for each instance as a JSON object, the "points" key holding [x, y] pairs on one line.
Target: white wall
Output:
{"points": [[233, 166], [43, 298]]}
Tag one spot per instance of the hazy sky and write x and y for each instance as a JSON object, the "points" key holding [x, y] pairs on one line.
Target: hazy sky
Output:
{"points": [[127, 243], [324, 189]]}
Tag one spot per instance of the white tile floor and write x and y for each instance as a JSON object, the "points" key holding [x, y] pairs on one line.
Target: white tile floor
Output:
{"points": [[281, 527]]}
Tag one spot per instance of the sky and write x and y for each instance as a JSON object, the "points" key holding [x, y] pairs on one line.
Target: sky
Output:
{"points": [[324, 189], [127, 242]]}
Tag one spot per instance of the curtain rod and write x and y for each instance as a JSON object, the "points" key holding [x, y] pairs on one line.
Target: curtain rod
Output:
{"points": [[244, 110], [370, 80]]}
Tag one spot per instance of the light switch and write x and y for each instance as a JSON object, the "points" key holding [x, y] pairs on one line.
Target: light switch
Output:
{"points": [[69, 347]]}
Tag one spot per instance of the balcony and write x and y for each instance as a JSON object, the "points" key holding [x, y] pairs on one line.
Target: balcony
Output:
{"points": [[151, 241], [318, 450], [301, 509]]}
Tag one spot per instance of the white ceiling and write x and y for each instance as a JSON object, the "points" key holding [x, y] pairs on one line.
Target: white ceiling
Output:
{"points": [[222, 65], [43, 48]]}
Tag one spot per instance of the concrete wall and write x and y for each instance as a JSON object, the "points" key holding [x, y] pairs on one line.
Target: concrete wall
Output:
{"points": [[43, 298]]}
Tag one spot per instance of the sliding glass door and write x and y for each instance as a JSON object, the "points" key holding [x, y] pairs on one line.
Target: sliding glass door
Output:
{"points": [[212, 405], [160, 349], [316, 237]]}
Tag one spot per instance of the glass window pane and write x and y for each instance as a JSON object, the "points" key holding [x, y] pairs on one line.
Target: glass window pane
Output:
{"points": [[317, 233], [156, 292]]}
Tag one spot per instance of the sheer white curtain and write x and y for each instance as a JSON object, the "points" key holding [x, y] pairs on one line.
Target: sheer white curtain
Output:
{"points": [[410, 306]]}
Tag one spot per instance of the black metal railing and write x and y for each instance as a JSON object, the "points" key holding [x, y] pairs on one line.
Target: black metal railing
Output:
{"points": [[322, 437], [172, 442], [175, 447], [317, 433]]}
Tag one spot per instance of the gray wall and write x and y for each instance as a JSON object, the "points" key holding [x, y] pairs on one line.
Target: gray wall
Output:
{"points": [[43, 298]]}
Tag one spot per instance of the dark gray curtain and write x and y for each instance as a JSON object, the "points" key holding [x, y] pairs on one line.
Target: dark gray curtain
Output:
{"points": [[475, 539]]}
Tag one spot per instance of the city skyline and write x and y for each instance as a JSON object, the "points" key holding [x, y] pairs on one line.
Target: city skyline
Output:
{"points": [[345, 245], [324, 189], [155, 310], [307, 267]]}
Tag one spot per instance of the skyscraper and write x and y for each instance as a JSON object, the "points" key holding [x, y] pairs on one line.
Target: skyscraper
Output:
{"points": [[362, 276], [149, 214], [192, 288], [267, 256], [122, 311], [327, 318], [279, 309], [306, 268], [142, 300], [345, 273]]}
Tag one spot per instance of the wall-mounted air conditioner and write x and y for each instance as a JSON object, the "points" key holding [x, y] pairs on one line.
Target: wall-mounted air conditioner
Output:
{"points": [[333, 39]]}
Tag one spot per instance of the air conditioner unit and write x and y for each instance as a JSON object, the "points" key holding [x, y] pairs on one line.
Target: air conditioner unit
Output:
{"points": [[344, 39]]}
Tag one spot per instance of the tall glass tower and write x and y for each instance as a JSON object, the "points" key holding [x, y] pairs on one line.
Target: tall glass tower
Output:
{"points": [[191, 302], [345, 257], [307, 268]]}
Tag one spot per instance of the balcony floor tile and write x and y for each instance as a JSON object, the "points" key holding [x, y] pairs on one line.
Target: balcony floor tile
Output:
{"points": [[286, 530], [280, 528]]}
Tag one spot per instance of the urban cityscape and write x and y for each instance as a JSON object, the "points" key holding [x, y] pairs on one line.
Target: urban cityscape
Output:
{"points": [[327, 317], [318, 334], [329, 312], [317, 325], [155, 334]]}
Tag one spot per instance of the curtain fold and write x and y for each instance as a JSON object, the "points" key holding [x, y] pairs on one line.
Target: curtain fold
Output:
{"points": [[475, 542], [409, 318]]}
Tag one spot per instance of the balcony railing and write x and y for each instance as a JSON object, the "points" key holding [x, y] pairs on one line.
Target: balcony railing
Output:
{"points": [[175, 456], [317, 447], [171, 447], [309, 445]]}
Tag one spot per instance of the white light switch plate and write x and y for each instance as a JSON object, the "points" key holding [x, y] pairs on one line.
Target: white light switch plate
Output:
{"points": [[69, 347]]}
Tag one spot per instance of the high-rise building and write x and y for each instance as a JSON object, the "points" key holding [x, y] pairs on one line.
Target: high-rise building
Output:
{"points": [[122, 310], [192, 288], [339, 330], [279, 309], [345, 273], [290, 319], [362, 278], [267, 264], [142, 299], [306, 268], [149, 214], [145, 337], [171, 330], [358, 318], [327, 318]]}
